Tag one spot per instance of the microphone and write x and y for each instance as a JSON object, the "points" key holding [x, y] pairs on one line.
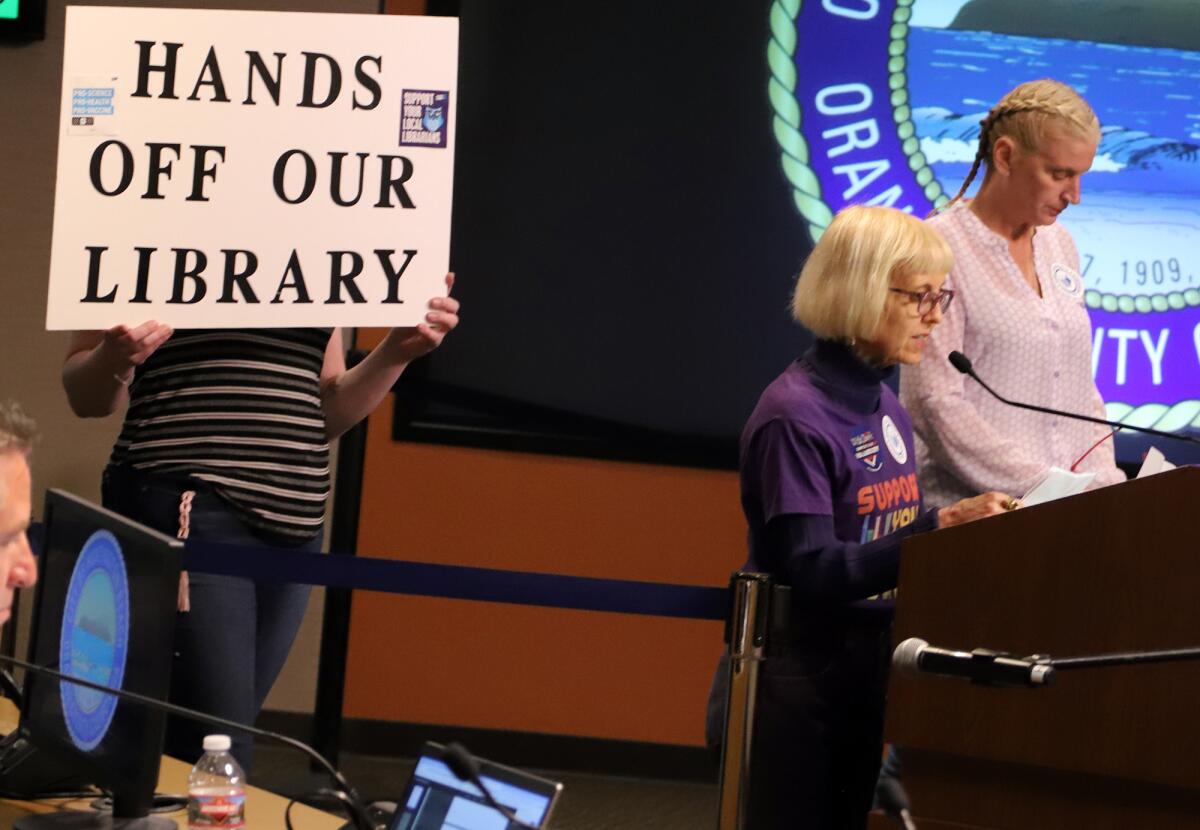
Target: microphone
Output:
{"points": [[893, 800], [464, 766], [914, 656], [345, 793], [963, 364]]}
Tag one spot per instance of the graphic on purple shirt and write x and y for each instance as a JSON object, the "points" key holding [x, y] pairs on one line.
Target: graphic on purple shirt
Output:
{"points": [[828, 438]]}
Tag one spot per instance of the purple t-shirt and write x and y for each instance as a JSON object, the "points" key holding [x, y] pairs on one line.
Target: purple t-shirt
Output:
{"points": [[829, 438]]}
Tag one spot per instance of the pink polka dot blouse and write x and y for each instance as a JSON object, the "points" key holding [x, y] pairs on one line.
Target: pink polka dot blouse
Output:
{"points": [[1028, 348]]}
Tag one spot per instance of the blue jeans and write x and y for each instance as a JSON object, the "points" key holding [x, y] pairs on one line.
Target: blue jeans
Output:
{"points": [[232, 643]]}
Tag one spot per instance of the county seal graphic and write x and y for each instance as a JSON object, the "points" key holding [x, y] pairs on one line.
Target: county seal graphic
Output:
{"points": [[95, 638], [879, 102]]}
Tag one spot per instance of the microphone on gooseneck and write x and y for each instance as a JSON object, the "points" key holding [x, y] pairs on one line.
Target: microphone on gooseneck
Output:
{"points": [[359, 819], [464, 766], [963, 364]]}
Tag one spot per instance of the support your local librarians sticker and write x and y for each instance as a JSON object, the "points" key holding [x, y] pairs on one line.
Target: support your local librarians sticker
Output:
{"points": [[879, 101], [423, 118]]}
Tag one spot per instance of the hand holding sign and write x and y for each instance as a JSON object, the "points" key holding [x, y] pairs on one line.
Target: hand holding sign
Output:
{"points": [[408, 343], [348, 396], [127, 348], [100, 364]]}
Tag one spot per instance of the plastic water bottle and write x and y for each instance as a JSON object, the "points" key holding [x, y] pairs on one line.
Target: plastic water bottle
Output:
{"points": [[216, 788]]}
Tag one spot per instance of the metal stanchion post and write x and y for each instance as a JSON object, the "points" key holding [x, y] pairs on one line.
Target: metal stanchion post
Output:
{"points": [[335, 625], [746, 633]]}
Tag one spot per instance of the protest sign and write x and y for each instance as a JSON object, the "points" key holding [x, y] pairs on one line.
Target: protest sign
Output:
{"points": [[252, 169]]}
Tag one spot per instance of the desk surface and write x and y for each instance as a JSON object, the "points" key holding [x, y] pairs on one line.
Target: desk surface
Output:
{"points": [[263, 809]]}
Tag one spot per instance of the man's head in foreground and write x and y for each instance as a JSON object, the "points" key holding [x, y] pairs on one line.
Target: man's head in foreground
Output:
{"points": [[18, 569]]}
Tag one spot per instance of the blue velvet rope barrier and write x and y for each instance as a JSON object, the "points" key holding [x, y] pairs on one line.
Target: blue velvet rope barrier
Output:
{"points": [[618, 596]]}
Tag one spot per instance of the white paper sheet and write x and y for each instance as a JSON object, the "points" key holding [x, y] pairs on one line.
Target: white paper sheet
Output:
{"points": [[1154, 463], [1057, 483]]}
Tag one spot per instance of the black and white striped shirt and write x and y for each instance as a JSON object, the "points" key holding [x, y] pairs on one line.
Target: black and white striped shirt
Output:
{"points": [[240, 410]]}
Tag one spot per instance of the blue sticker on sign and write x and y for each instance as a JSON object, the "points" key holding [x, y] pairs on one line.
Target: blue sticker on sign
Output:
{"points": [[91, 101], [95, 638], [423, 116]]}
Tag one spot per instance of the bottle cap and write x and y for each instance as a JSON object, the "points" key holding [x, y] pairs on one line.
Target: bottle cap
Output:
{"points": [[217, 743]]}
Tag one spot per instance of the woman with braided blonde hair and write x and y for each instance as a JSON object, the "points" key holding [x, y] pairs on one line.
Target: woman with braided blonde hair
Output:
{"points": [[1019, 312]]}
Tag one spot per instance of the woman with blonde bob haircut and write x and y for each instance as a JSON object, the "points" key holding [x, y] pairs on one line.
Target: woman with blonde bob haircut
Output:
{"points": [[829, 489], [1019, 310], [843, 288]]}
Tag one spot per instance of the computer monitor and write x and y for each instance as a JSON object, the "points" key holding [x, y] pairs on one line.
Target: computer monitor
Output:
{"points": [[437, 800], [105, 612]]}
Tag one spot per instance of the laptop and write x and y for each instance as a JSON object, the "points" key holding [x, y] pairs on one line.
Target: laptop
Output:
{"points": [[437, 800]]}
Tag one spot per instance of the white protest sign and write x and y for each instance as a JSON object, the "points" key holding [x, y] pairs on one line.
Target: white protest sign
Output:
{"points": [[252, 169]]}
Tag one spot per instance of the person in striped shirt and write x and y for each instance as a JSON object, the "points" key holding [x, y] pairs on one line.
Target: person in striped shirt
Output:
{"points": [[226, 438]]}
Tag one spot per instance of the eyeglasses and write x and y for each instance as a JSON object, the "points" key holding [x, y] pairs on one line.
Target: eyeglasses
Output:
{"points": [[926, 300]]}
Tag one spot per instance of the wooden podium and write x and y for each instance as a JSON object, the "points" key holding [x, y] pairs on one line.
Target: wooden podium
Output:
{"points": [[1113, 570]]}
